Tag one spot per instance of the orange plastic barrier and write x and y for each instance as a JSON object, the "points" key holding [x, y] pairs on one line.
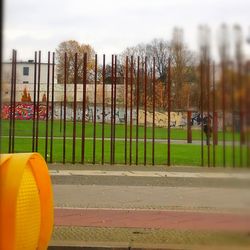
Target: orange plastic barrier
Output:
{"points": [[26, 202]]}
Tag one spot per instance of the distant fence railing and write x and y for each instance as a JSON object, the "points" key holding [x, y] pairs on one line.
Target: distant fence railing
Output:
{"points": [[129, 127]]}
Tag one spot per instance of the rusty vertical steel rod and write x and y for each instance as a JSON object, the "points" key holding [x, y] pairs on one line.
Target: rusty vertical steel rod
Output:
{"points": [[61, 105], [74, 111], [153, 128], [214, 118], [34, 104], [245, 111], [247, 103], [241, 112], [1, 71], [38, 99], [131, 109], [103, 106], [47, 110], [94, 132], [84, 85], [11, 101], [223, 113], [126, 111], [114, 117], [208, 112], [145, 110], [64, 107], [111, 110], [52, 108], [189, 128], [14, 104], [202, 118], [137, 107], [233, 114], [169, 110]]}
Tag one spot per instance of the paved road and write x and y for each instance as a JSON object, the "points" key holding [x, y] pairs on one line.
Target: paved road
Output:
{"points": [[107, 205], [161, 188], [156, 174], [150, 197], [149, 176]]}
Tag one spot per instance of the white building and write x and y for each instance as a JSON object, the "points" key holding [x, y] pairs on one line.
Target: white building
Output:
{"points": [[25, 78]]}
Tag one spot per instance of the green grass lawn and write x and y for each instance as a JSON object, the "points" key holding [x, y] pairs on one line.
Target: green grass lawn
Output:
{"points": [[24, 128], [188, 154], [180, 154]]}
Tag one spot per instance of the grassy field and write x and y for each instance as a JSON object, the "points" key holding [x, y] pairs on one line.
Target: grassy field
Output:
{"points": [[24, 128], [185, 154]]}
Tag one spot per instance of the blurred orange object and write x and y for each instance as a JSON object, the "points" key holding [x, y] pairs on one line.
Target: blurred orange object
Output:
{"points": [[26, 202]]}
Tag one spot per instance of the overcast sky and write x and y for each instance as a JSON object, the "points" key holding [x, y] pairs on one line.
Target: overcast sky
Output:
{"points": [[112, 25]]}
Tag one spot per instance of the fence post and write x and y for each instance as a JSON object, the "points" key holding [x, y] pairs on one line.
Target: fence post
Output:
{"points": [[169, 109], [64, 107], [94, 134], [242, 135], [215, 125], [38, 99], [131, 109], [52, 108], [112, 110], [189, 126], [223, 112], [84, 85], [202, 118], [47, 109], [74, 111], [114, 117], [145, 111], [208, 112], [103, 105], [14, 105], [34, 104], [137, 107], [153, 128], [126, 110], [215, 120], [11, 102], [61, 106], [247, 102]]}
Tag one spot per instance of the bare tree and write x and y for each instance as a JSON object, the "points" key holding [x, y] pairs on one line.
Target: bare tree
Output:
{"points": [[158, 48]]}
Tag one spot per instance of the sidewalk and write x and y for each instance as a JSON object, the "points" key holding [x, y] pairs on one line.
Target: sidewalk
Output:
{"points": [[129, 207], [153, 219], [117, 167]]}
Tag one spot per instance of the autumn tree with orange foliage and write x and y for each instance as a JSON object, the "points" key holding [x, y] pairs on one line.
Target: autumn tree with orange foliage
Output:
{"points": [[72, 47], [25, 96]]}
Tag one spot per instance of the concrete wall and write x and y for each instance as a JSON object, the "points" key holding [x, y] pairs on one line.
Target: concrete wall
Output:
{"points": [[59, 92], [24, 111]]}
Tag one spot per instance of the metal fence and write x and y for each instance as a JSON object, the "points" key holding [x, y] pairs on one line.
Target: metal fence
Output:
{"points": [[222, 115]]}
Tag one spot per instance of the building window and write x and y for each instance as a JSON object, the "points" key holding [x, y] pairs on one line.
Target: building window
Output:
{"points": [[25, 71], [25, 82]]}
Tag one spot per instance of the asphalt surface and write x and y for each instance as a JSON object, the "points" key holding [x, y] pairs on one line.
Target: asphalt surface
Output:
{"points": [[161, 178], [99, 206], [150, 168], [150, 197]]}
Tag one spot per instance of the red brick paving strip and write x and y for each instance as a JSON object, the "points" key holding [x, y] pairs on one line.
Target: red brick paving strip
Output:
{"points": [[179, 220]]}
